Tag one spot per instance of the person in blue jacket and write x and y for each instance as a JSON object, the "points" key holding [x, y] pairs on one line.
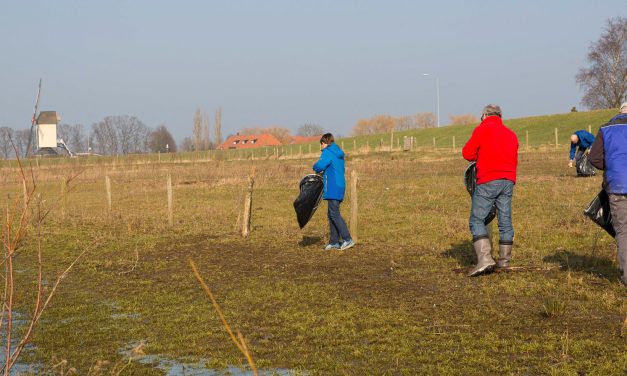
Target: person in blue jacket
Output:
{"points": [[580, 141], [609, 153], [331, 164]]}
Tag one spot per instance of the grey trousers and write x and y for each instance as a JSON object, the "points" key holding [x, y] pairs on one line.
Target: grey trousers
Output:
{"points": [[618, 208]]}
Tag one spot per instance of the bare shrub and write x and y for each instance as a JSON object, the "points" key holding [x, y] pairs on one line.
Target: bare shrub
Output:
{"points": [[465, 119], [605, 81]]}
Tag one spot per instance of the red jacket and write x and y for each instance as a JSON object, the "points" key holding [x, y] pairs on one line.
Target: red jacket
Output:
{"points": [[495, 148]]}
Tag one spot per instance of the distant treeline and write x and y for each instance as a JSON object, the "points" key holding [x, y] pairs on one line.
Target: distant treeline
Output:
{"points": [[386, 123], [110, 136]]}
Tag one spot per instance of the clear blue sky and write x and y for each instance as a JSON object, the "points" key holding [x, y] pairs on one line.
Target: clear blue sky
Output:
{"points": [[290, 62]]}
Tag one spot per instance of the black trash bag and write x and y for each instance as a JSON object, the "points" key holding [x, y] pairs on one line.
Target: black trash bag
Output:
{"points": [[584, 167], [308, 199], [470, 180], [599, 212]]}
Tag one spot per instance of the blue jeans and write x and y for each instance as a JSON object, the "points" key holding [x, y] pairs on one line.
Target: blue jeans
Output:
{"points": [[338, 227], [497, 192]]}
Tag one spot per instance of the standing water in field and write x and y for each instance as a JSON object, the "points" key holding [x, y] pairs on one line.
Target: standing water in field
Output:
{"points": [[18, 368], [173, 367]]}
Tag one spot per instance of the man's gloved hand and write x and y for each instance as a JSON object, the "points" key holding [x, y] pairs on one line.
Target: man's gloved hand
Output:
{"points": [[570, 163]]}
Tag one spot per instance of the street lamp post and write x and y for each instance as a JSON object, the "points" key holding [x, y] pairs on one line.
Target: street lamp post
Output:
{"points": [[437, 90]]}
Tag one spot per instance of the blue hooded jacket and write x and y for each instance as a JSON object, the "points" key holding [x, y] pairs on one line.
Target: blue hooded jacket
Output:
{"points": [[585, 141], [331, 162], [609, 153]]}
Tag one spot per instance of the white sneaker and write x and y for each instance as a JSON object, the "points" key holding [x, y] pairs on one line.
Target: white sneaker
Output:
{"points": [[346, 245]]}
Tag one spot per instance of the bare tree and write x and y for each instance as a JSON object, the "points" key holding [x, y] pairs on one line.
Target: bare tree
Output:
{"points": [[133, 134], [21, 140], [374, 125], [465, 119], [64, 131], [206, 139], [187, 144], [605, 81], [77, 142], [425, 120], [6, 142], [161, 140], [310, 130], [120, 134], [74, 136], [405, 122], [217, 127], [197, 130], [104, 137], [386, 123]]}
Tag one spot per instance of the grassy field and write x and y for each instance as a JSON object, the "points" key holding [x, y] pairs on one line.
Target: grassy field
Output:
{"points": [[395, 304]]}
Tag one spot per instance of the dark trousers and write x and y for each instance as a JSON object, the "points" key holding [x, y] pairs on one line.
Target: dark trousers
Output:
{"points": [[497, 192], [339, 230], [618, 208]]}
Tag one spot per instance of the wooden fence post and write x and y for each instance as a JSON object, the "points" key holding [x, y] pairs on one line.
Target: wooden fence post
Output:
{"points": [[300, 151], [354, 145], [63, 193], [248, 203], [556, 144], [589, 128], [353, 213], [434, 147], [391, 140], [108, 188], [309, 148], [454, 148], [527, 140], [170, 203]]}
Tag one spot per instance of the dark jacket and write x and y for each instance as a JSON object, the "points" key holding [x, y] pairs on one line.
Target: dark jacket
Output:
{"points": [[585, 141], [609, 153], [331, 162], [495, 148]]}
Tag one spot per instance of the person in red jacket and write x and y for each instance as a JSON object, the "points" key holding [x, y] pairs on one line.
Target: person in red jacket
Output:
{"points": [[495, 148]]}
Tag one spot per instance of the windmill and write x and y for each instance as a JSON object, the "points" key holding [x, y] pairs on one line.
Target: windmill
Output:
{"points": [[45, 124], [33, 121]]}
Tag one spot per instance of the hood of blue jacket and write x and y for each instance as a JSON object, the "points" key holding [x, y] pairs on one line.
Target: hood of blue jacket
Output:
{"points": [[335, 150]]}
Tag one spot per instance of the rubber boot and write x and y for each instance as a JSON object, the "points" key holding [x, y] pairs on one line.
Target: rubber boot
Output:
{"points": [[485, 262], [505, 253]]}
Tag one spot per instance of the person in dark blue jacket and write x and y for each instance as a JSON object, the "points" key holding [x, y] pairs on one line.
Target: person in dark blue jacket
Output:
{"points": [[331, 164], [580, 141], [609, 153]]}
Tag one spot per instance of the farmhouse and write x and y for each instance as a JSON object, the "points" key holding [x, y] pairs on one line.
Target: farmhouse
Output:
{"points": [[250, 141]]}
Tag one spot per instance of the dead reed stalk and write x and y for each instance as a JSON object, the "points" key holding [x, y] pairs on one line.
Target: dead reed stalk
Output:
{"points": [[237, 340]]}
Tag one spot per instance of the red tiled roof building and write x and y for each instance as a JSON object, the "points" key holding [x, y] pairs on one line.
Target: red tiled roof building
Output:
{"points": [[305, 139], [250, 141]]}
